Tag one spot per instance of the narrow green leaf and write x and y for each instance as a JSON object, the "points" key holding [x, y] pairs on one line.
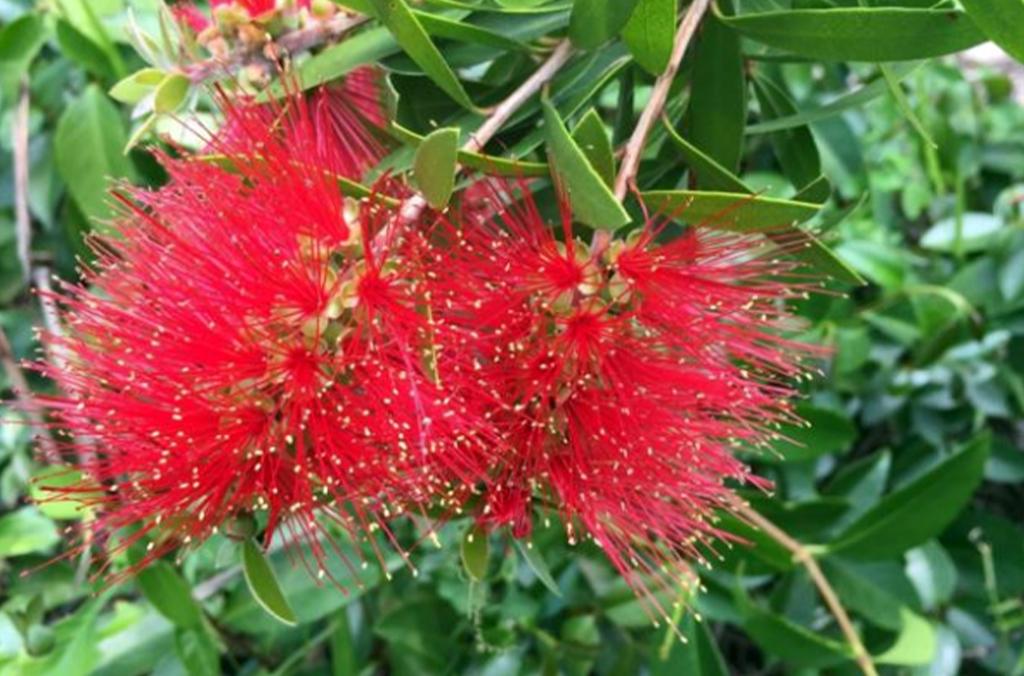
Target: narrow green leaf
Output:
{"points": [[715, 119], [919, 511], [593, 203], [26, 531], [171, 93], [89, 150], [875, 34], [594, 22], [650, 32], [344, 660], [1001, 21], [710, 174], [475, 551], [793, 643], [730, 211], [410, 34], [263, 584], [794, 148], [169, 593], [197, 651], [435, 166], [593, 139], [824, 432], [461, 31], [538, 565], [77, 47]]}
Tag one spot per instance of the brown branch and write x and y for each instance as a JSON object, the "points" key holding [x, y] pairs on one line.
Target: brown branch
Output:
{"points": [[294, 42], [659, 95], [19, 385], [803, 555]]}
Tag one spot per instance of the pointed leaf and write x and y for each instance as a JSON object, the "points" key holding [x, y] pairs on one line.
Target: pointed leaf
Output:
{"points": [[263, 584], [650, 32], [538, 565], [171, 93], [169, 593], [410, 34], [919, 511], [874, 34], [435, 166], [593, 139], [715, 120], [730, 211], [594, 22], [593, 203], [1001, 21]]}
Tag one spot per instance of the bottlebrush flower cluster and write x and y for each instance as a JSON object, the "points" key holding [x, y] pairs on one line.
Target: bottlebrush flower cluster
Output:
{"points": [[250, 341]]}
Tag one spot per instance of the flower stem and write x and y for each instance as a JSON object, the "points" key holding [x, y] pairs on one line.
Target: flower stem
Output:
{"points": [[635, 147], [805, 556]]}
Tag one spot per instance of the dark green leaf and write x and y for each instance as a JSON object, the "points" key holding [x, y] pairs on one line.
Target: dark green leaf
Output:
{"points": [[488, 164], [593, 203], [474, 552], [409, 33], [718, 111], [875, 34], [170, 594], [650, 32], [793, 643], [263, 584], [593, 139], [824, 432], [918, 512], [699, 656], [594, 22], [795, 148], [198, 652], [21, 39], [1001, 21], [730, 211], [89, 150], [80, 49], [538, 565], [435, 166]]}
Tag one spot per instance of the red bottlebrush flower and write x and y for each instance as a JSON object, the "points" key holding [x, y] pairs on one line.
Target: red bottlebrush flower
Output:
{"points": [[338, 119], [256, 8], [187, 14], [622, 379], [250, 341]]}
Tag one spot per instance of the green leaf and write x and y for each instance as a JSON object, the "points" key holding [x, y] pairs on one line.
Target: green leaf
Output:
{"points": [[919, 511], [709, 173], [650, 33], [933, 574], [169, 593], [718, 111], [699, 656], [407, 30], [825, 432], [730, 211], [26, 531], [54, 503], [198, 652], [462, 31], [21, 39], [790, 642], [593, 203], [263, 584], [344, 660], [916, 642], [83, 51], [171, 93], [88, 150], [874, 34], [538, 565], [474, 552], [138, 85], [794, 148], [594, 22], [435, 166], [975, 232], [1001, 21], [488, 164], [593, 139]]}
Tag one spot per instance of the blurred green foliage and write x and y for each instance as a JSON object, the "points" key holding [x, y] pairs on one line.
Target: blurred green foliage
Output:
{"points": [[908, 486]]}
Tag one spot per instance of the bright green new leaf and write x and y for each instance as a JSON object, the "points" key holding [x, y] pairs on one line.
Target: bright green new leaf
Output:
{"points": [[413, 38], [919, 511], [650, 32], [170, 594], [592, 137], [475, 551], [171, 93], [263, 584], [874, 34], [1002, 21], [594, 22], [592, 201], [138, 85], [26, 531], [435, 166]]}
